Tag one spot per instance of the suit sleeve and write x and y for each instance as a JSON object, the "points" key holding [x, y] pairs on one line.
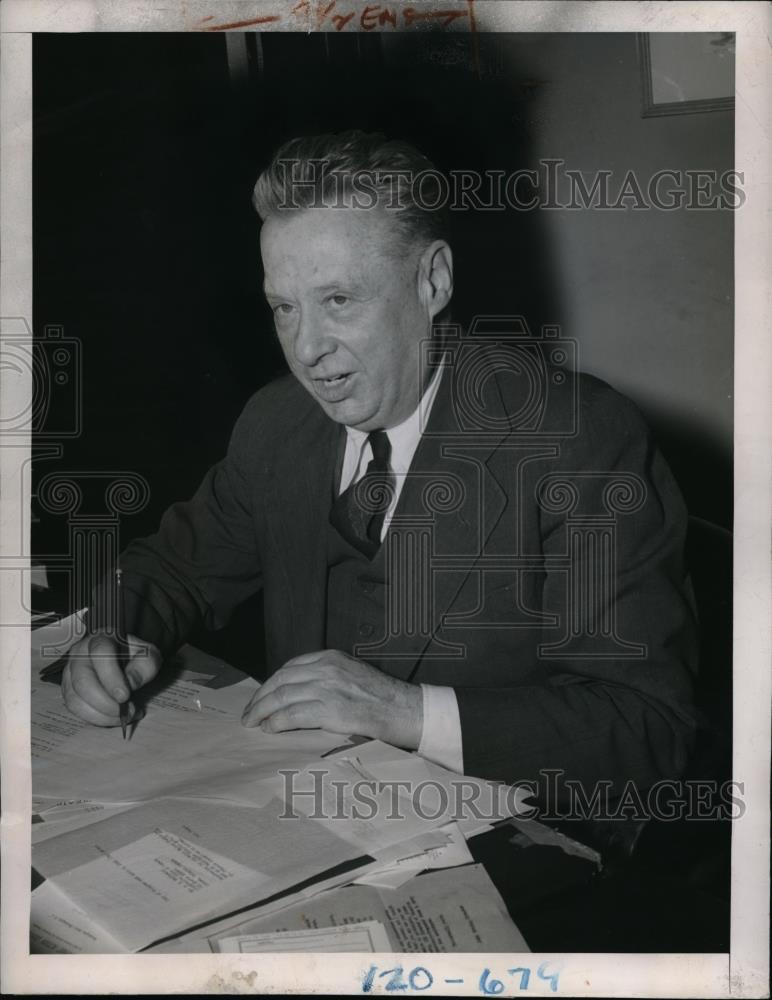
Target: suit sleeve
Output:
{"points": [[203, 561], [589, 712]]}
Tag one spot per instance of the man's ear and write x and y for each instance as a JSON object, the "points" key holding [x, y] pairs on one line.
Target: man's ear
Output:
{"points": [[435, 277]]}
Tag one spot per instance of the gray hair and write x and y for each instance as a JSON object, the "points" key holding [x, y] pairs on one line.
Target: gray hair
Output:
{"points": [[360, 170]]}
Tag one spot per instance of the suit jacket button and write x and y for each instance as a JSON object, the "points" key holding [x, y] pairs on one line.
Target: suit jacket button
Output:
{"points": [[366, 629], [367, 586]]}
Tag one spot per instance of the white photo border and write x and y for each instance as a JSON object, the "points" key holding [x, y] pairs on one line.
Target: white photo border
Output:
{"points": [[741, 973]]}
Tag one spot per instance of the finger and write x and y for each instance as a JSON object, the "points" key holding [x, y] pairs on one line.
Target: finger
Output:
{"points": [[144, 664], [302, 715], [85, 711], [84, 681], [307, 658], [289, 673], [281, 697], [104, 661]]}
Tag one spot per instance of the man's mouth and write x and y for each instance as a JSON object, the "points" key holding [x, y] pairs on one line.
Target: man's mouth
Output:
{"points": [[333, 388]]}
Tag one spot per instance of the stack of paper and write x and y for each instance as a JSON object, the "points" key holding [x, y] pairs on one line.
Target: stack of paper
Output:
{"points": [[456, 910], [190, 743], [194, 817]]}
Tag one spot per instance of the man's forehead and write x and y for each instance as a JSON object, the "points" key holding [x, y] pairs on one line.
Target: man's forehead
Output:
{"points": [[328, 245], [309, 229]]}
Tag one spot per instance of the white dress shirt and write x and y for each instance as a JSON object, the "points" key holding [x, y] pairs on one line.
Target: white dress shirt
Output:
{"points": [[441, 734]]}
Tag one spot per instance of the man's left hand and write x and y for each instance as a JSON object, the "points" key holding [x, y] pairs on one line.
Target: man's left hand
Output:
{"points": [[331, 690]]}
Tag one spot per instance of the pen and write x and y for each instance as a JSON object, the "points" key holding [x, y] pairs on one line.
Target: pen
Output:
{"points": [[123, 651]]}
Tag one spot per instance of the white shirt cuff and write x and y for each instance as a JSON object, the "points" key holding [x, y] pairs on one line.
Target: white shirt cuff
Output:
{"points": [[441, 734]]}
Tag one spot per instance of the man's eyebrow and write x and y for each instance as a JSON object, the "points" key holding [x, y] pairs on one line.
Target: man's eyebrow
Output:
{"points": [[271, 293], [332, 286], [320, 289]]}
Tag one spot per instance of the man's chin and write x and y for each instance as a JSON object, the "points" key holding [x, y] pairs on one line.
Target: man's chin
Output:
{"points": [[349, 411]]}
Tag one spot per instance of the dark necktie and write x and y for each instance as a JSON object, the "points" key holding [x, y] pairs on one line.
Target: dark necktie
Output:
{"points": [[358, 512]]}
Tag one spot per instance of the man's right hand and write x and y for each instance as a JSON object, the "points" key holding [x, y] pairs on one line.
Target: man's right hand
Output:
{"points": [[93, 684]]}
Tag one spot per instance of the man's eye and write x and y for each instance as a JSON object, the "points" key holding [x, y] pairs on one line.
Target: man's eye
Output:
{"points": [[339, 299], [283, 309]]}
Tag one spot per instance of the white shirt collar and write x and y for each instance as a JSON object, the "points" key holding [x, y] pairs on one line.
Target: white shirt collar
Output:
{"points": [[404, 437]]}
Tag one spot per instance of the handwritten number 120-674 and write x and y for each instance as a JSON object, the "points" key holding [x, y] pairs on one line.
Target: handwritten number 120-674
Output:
{"points": [[419, 978]]}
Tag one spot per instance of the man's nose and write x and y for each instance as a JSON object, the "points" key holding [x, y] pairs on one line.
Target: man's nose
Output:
{"points": [[311, 341]]}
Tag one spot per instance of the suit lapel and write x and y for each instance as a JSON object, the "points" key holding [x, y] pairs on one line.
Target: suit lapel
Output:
{"points": [[452, 492]]}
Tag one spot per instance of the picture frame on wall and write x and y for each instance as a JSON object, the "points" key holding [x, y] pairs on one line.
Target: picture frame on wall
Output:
{"points": [[686, 73]]}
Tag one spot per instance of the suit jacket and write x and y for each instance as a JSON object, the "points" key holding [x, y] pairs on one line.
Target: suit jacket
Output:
{"points": [[551, 587]]}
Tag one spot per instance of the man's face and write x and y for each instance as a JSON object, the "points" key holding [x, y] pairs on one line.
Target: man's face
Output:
{"points": [[348, 312]]}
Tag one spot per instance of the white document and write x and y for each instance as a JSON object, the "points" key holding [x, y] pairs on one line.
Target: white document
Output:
{"points": [[121, 871], [369, 935], [204, 939], [58, 927], [388, 878], [155, 885], [473, 803], [456, 910], [190, 742], [472, 828], [449, 855], [61, 817], [371, 813]]}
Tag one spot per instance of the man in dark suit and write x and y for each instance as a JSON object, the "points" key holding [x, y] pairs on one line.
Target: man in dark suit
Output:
{"points": [[464, 549]]}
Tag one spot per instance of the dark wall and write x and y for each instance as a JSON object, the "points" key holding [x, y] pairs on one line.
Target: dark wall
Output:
{"points": [[145, 250]]}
